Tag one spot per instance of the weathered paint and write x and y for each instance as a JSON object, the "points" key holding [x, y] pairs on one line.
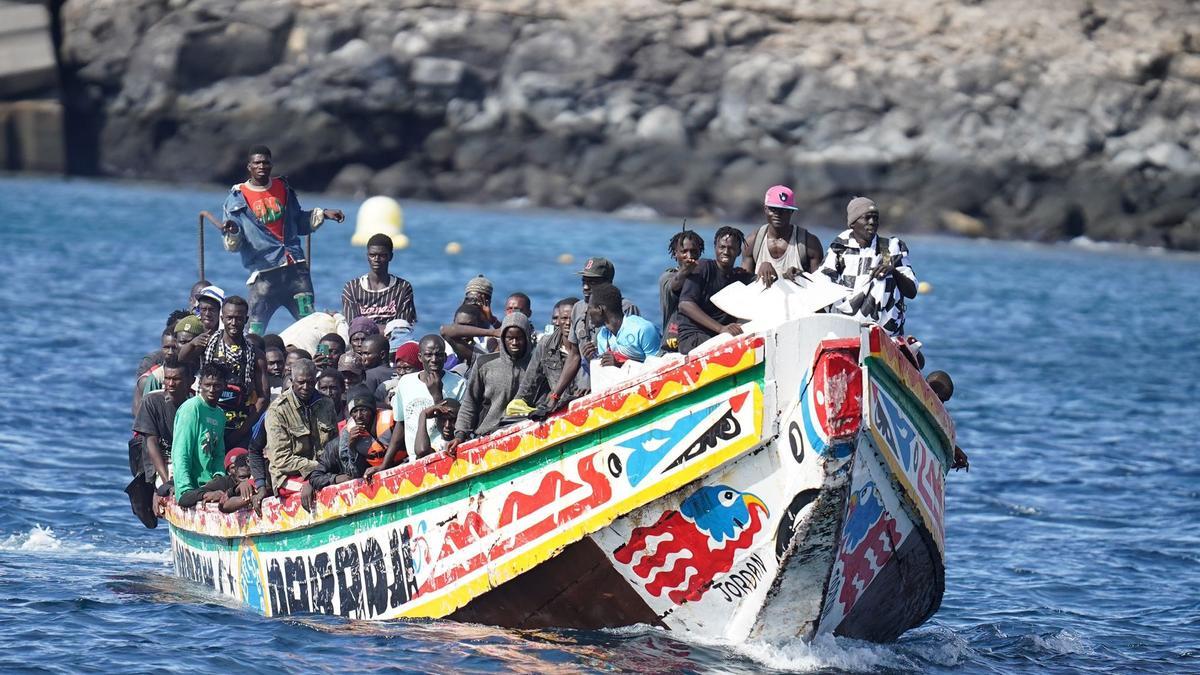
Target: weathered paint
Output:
{"points": [[749, 492]]}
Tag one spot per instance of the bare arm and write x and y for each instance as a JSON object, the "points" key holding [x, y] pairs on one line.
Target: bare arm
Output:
{"points": [[421, 442], [693, 312], [816, 253], [569, 371], [748, 252], [154, 449]]}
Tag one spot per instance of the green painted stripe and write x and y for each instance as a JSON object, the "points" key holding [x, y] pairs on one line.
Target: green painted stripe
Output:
{"points": [[926, 425], [341, 528]]}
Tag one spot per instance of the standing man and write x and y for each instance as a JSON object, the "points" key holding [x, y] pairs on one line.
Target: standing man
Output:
{"points": [[379, 295], [699, 318], [780, 248], [264, 222], [875, 267], [198, 455]]}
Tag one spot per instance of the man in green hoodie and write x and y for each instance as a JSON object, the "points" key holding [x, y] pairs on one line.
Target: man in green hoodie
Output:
{"points": [[198, 442], [493, 382]]}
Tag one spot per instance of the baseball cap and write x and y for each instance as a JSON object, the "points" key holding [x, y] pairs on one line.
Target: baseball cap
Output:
{"points": [[350, 362], [780, 197], [598, 268], [189, 324]]}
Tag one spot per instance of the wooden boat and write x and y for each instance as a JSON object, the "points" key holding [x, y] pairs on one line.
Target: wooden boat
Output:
{"points": [[784, 483]]}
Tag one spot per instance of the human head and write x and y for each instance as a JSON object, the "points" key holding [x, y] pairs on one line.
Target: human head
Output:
{"points": [[478, 292], [360, 328], [604, 304], [407, 358], [176, 378], [208, 308], [331, 384], [941, 384], [470, 315], [196, 287], [445, 423], [170, 347], [862, 217], [596, 271], [237, 463], [560, 318], [350, 366], [234, 314], [275, 358], [779, 205], [273, 340], [187, 328], [379, 253], [727, 246], [256, 340], [686, 245], [360, 406], [432, 353], [293, 355], [213, 376], [518, 302], [514, 334], [374, 350], [304, 378], [258, 164]]}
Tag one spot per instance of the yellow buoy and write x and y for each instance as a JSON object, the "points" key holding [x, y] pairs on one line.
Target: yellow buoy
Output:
{"points": [[380, 215], [924, 287], [565, 258], [453, 248]]}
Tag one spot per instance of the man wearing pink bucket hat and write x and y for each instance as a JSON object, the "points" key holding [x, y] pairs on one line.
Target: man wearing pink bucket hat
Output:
{"points": [[779, 248]]}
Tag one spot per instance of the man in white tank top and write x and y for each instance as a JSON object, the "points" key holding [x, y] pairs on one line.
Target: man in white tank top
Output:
{"points": [[779, 248]]}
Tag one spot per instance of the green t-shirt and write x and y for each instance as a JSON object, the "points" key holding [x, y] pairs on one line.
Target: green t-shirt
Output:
{"points": [[197, 445]]}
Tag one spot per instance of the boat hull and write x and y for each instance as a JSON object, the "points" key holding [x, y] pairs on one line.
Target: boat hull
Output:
{"points": [[782, 484]]}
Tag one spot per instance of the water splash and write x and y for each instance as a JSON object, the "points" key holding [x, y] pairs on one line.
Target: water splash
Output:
{"points": [[38, 539]]}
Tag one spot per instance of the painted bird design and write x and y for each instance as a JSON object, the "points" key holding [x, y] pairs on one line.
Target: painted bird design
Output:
{"points": [[684, 550]]}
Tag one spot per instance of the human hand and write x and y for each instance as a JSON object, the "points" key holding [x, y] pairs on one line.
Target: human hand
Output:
{"points": [[246, 489], [452, 447], [306, 498], [792, 272], [687, 266], [214, 496], [160, 505], [256, 500], [883, 269], [371, 471], [335, 214], [607, 359], [733, 329], [960, 460], [588, 349], [229, 227], [767, 274]]}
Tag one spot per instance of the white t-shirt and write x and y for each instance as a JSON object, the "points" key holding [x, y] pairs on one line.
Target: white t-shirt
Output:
{"points": [[411, 396]]}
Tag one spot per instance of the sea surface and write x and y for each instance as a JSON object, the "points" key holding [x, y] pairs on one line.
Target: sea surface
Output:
{"points": [[1073, 542]]}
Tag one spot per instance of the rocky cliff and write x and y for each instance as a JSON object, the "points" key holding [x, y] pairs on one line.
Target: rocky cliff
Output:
{"points": [[1005, 118]]}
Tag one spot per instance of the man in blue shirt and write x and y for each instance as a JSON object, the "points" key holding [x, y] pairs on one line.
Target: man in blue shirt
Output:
{"points": [[620, 338], [264, 222]]}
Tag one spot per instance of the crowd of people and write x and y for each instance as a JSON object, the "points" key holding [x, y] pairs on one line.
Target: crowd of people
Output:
{"points": [[227, 415]]}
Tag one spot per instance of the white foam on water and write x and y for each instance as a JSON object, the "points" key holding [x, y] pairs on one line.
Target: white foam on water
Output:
{"points": [[38, 538], [1063, 642]]}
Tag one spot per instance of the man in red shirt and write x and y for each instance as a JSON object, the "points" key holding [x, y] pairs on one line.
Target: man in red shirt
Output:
{"points": [[264, 222]]}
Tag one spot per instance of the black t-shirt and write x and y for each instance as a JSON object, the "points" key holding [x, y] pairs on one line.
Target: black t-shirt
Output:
{"points": [[706, 281], [377, 376], [156, 417]]}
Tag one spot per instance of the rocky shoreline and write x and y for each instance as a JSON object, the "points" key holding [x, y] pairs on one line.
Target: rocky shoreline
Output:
{"points": [[1013, 119]]}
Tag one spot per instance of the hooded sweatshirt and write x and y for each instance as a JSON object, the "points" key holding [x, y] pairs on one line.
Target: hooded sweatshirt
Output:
{"points": [[493, 382]]}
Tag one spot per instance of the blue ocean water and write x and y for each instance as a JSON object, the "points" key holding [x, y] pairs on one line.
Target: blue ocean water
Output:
{"points": [[1072, 542]]}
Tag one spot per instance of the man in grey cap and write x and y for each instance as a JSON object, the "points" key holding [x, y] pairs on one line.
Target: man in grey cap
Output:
{"points": [[875, 267], [581, 334]]}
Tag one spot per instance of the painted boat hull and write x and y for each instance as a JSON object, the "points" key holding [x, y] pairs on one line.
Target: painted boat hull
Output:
{"points": [[780, 484]]}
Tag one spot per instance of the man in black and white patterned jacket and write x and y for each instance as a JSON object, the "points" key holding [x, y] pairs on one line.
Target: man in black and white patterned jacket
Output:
{"points": [[875, 267]]}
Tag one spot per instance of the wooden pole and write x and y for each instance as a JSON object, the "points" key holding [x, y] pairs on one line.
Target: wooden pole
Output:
{"points": [[200, 231]]}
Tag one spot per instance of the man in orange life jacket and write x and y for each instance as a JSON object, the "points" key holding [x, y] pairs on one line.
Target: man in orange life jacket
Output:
{"points": [[263, 221], [362, 443]]}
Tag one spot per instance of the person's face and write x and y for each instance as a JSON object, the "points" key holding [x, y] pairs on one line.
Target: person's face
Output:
{"points": [[275, 359], [259, 168], [779, 217], [517, 304], [378, 258], [291, 358], [363, 416], [331, 387], [211, 388], [515, 341], [688, 249], [351, 377], [596, 315], [183, 337], [432, 356], [304, 383], [866, 226], [445, 426], [335, 350], [173, 381], [587, 288], [403, 368], [170, 348], [561, 318], [356, 342], [234, 317], [241, 471], [209, 314], [727, 251], [374, 352], [478, 299]]}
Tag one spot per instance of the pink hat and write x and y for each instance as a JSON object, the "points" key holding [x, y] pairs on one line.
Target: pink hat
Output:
{"points": [[780, 197]]}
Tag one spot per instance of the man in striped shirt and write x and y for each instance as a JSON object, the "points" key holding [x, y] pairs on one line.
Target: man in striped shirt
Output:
{"points": [[379, 295]]}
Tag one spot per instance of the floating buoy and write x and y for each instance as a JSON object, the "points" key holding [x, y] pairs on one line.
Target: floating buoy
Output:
{"points": [[565, 259], [453, 248], [924, 288], [380, 215]]}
